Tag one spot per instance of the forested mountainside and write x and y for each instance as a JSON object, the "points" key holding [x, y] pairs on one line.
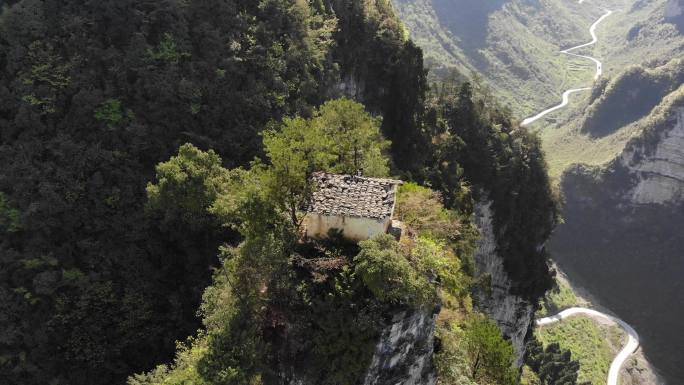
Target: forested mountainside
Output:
{"points": [[107, 242], [630, 96], [285, 310], [512, 44], [615, 149]]}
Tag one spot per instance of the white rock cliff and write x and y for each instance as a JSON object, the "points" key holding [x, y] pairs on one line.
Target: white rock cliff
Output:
{"points": [[659, 173]]}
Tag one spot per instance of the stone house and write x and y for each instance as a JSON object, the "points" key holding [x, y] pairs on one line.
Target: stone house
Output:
{"points": [[358, 206]]}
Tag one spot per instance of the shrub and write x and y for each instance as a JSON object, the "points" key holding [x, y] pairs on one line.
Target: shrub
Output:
{"points": [[389, 275]]}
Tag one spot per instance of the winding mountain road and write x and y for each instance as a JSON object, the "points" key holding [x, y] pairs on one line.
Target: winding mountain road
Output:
{"points": [[599, 70], [632, 341], [632, 336]]}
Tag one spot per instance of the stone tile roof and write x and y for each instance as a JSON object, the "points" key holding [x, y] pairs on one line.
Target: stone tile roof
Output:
{"points": [[353, 196]]}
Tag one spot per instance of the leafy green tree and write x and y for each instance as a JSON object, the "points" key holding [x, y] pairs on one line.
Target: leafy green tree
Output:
{"points": [[451, 362], [111, 112], [437, 261], [490, 357], [353, 138], [9, 216], [341, 137], [186, 187], [295, 152]]}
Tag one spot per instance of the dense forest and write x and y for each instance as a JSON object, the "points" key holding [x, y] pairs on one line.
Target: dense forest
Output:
{"points": [[100, 275]]}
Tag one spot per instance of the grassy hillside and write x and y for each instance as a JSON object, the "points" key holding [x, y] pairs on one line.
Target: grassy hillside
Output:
{"points": [[514, 45], [593, 344], [639, 33], [623, 108]]}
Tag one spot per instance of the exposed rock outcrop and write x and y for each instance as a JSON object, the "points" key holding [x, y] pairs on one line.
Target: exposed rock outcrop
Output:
{"points": [[404, 354], [513, 313], [659, 173]]}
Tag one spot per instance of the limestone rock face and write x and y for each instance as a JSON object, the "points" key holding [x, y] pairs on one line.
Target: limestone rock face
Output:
{"points": [[404, 354], [659, 173], [513, 314]]}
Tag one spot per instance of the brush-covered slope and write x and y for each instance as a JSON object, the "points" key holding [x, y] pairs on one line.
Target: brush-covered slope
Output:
{"points": [[630, 96], [614, 114], [514, 45]]}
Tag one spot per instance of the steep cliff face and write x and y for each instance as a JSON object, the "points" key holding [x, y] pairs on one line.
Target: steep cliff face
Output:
{"points": [[659, 173], [622, 235], [404, 353], [513, 313]]}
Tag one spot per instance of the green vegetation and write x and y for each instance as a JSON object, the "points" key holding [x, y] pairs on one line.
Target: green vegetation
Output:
{"points": [[597, 198], [330, 298], [389, 275], [341, 137], [587, 341], [474, 353], [596, 128], [514, 48], [384, 70], [187, 185], [489, 355], [559, 298], [111, 112], [567, 145], [95, 95], [423, 211], [512, 45], [261, 288], [593, 345], [474, 143], [631, 96], [102, 271], [473, 350], [9, 217], [550, 365]]}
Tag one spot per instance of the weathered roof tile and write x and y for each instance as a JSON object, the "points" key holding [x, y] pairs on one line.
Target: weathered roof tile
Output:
{"points": [[354, 196]]}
